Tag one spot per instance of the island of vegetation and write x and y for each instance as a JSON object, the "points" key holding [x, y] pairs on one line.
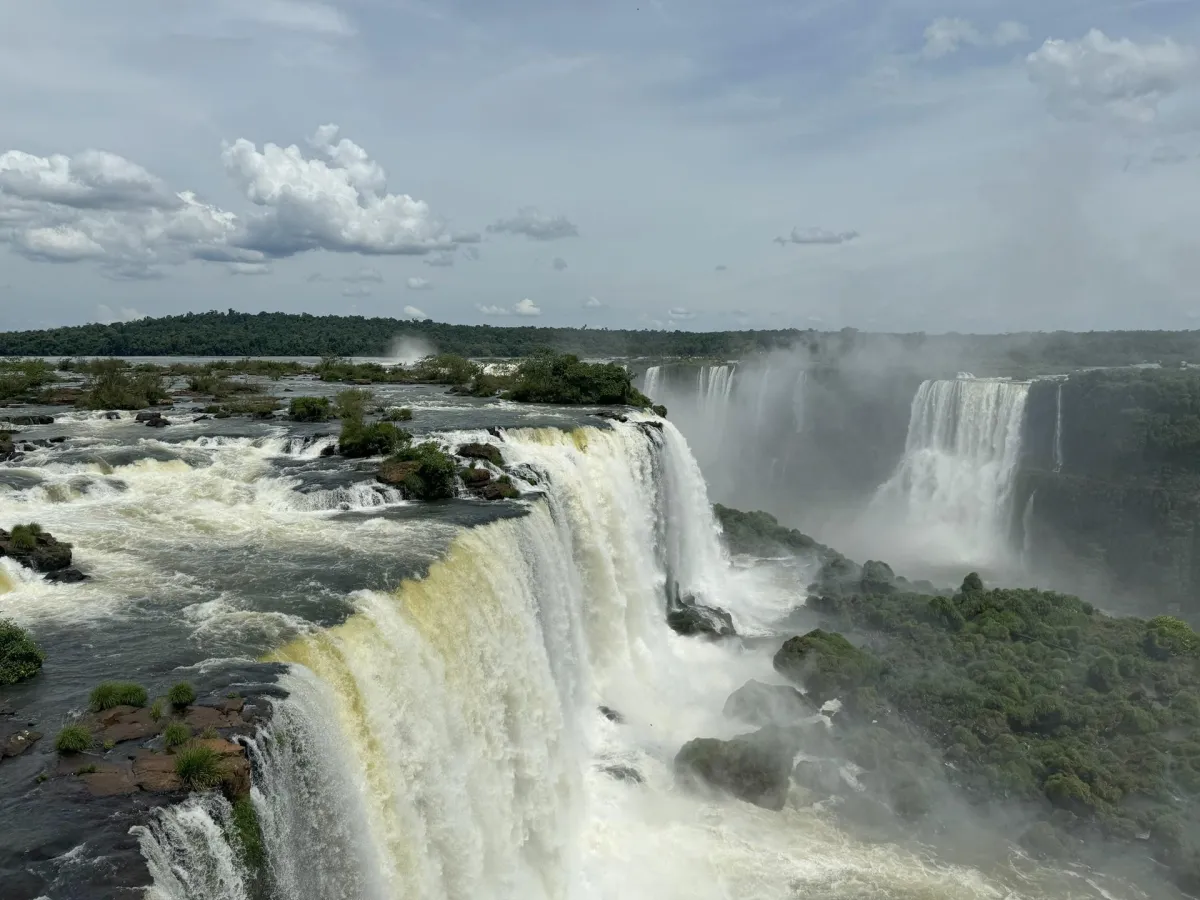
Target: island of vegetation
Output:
{"points": [[1088, 723]]}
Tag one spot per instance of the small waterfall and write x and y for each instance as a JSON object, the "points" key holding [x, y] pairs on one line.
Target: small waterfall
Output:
{"points": [[188, 852], [715, 384], [652, 382], [1058, 452], [952, 491], [1027, 533]]}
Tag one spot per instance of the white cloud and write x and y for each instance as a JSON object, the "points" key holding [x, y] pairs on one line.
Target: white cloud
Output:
{"points": [[680, 313], [524, 307], [816, 236], [105, 315], [533, 224], [91, 180], [365, 275], [945, 35], [1097, 75], [413, 313], [357, 291], [419, 284], [559, 264], [248, 268], [592, 303], [297, 15], [59, 243]]}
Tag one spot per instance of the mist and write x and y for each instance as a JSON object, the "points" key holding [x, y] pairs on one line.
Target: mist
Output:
{"points": [[407, 350]]}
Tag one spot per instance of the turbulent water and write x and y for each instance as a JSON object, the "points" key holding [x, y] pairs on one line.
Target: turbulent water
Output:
{"points": [[950, 499], [444, 665]]}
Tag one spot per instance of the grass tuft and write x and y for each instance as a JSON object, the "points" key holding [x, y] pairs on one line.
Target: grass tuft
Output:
{"points": [[176, 735], [73, 739], [117, 693], [182, 695], [200, 768]]}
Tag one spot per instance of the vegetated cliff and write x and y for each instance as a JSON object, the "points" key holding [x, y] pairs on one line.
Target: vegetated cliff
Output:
{"points": [[1118, 501]]}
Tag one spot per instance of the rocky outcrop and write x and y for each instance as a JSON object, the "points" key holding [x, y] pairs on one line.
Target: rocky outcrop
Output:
{"points": [[7, 449], [827, 664], [27, 420], [475, 477], [17, 742], [486, 452], [500, 489], [688, 617], [768, 704], [69, 575], [754, 767], [34, 548], [152, 419]]}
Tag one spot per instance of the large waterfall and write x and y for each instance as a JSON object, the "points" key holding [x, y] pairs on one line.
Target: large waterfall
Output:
{"points": [[1058, 451], [444, 741], [949, 500]]}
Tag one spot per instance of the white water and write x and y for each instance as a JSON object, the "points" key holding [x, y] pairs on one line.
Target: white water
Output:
{"points": [[713, 389], [652, 382], [1058, 451], [949, 501]]}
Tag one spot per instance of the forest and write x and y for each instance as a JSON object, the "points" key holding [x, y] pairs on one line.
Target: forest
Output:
{"points": [[234, 333]]}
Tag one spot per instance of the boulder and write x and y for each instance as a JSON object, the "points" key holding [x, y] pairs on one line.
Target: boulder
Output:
{"points": [[28, 420], [7, 450], [112, 415], [18, 742], [752, 767], [499, 490], [768, 704], [395, 473], [822, 776], [696, 619], [612, 715], [47, 555], [481, 451], [131, 724], [160, 422], [147, 416], [623, 773], [827, 664], [69, 575]]}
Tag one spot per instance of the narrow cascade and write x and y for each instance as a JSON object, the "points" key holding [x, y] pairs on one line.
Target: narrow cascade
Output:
{"points": [[950, 498], [1058, 452], [1027, 533], [189, 854], [651, 382], [715, 384]]}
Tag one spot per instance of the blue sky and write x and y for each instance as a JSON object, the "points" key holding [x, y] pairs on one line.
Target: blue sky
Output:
{"points": [[902, 166]]}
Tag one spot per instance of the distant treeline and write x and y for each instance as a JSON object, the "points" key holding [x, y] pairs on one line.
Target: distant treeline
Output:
{"points": [[288, 334]]}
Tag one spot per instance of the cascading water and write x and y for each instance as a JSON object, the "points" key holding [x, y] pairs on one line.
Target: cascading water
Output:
{"points": [[949, 500], [713, 388], [1058, 451], [652, 382]]}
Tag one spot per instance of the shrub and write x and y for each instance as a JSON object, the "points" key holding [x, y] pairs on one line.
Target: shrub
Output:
{"points": [[113, 385], [117, 693], [310, 409], [176, 734], [73, 739], [20, 657], [401, 414], [352, 403], [89, 769], [199, 768], [358, 440], [181, 695], [24, 537], [425, 471], [548, 377], [158, 709]]}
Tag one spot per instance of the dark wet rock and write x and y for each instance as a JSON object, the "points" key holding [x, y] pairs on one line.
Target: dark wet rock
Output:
{"points": [[623, 773], [612, 715], [753, 767], [130, 725], [499, 489], [48, 554], [18, 742], [396, 472], [694, 619], [147, 416], [7, 450], [768, 704], [155, 772], [496, 432], [657, 426], [475, 477], [608, 414], [160, 422], [69, 575], [203, 418], [28, 420], [481, 451], [112, 415]]}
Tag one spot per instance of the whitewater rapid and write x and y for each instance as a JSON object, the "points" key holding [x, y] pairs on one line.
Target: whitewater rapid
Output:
{"points": [[441, 737]]}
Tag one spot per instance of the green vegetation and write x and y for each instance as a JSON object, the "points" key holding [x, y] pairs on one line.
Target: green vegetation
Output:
{"points": [[352, 403], [112, 384], [424, 472], [117, 693], [20, 657], [20, 378], [89, 769], [73, 739], [563, 378], [158, 709], [24, 537], [247, 834], [200, 768], [181, 695], [760, 534], [359, 438], [261, 406], [176, 735], [398, 414], [310, 409]]}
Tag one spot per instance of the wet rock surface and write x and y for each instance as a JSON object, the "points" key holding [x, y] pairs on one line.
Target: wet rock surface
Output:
{"points": [[46, 554]]}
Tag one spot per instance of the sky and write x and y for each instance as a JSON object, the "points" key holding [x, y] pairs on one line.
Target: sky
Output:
{"points": [[704, 165]]}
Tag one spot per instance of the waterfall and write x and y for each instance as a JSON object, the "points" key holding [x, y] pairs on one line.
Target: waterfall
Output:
{"points": [[188, 852], [1027, 533], [951, 495], [651, 382], [1058, 452], [715, 384]]}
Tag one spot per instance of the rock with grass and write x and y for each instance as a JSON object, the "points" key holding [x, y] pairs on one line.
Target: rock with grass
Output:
{"points": [[768, 704], [181, 695], [486, 452], [18, 742], [176, 734], [33, 547], [73, 739], [20, 657], [310, 409], [500, 489], [111, 694], [755, 767], [423, 472]]}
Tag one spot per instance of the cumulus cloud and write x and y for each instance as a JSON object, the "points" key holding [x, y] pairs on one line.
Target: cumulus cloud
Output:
{"points": [[106, 316], [357, 290], [419, 284], [947, 35], [536, 226], [592, 303], [559, 264], [100, 206], [365, 275], [413, 313], [248, 268], [1097, 76], [524, 307], [816, 236]]}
